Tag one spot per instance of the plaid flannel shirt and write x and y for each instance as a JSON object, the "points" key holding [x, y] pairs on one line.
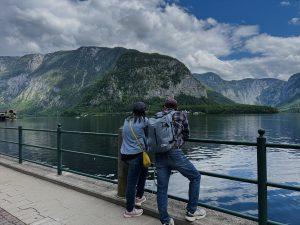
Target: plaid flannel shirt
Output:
{"points": [[181, 127]]}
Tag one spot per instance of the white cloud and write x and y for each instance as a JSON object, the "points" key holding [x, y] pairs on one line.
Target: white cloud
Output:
{"points": [[278, 57], [274, 46], [259, 67], [285, 3], [295, 21], [146, 25]]}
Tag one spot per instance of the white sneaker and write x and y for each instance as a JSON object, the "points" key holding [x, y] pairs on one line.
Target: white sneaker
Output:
{"points": [[139, 201], [134, 213], [171, 222], [199, 214]]}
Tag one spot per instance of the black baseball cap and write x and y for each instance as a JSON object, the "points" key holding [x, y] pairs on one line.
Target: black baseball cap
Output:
{"points": [[139, 107]]}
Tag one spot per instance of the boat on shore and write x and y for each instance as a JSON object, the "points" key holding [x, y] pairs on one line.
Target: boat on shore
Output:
{"points": [[8, 115]]}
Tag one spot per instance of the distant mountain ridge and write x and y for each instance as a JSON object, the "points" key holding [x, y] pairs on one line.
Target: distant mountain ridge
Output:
{"points": [[99, 79], [95, 77], [266, 91]]}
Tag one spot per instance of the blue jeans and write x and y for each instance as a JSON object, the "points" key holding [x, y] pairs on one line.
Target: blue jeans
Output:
{"points": [[136, 179], [175, 160]]}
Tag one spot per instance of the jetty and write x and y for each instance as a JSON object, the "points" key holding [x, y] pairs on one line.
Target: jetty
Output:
{"points": [[36, 193]]}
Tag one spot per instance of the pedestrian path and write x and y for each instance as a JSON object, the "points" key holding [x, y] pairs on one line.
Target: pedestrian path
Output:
{"points": [[38, 202], [8, 219]]}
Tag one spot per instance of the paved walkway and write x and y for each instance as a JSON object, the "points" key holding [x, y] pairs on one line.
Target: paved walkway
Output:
{"points": [[8, 219], [38, 202]]}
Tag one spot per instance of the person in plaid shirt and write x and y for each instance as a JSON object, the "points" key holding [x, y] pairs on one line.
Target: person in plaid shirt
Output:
{"points": [[181, 127], [176, 160]]}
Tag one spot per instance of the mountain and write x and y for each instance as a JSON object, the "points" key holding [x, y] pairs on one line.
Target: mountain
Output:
{"points": [[52, 81], [96, 79], [137, 76], [92, 76], [267, 91], [246, 91], [290, 95]]}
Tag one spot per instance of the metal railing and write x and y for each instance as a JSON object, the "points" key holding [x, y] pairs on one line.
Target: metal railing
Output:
{"points": [[59, 150], [261, 181]]}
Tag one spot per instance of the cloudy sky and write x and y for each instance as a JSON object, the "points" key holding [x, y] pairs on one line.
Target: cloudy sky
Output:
{"points": [[237, 39]]}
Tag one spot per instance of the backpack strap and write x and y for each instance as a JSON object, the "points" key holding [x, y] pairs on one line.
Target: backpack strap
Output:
{"points": [[174, 123], [134, 134], [162, 114]]}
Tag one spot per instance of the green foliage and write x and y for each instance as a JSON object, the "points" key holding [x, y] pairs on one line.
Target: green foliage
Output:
{"points": [[28, 107], [230, 109], [136, 72], [185, 102], [151, 65]]}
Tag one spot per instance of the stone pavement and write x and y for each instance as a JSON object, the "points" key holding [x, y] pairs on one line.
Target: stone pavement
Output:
{"points": [[108, 192], [38, 202], [8, 219]]}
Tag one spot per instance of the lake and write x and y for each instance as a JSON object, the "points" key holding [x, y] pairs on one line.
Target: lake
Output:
{"points": [[283, 164]]}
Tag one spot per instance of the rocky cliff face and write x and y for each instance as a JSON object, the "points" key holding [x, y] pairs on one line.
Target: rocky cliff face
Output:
{"points": [[273, 92], [48, 82], [247, 91], [140, 76], [63, 79], [290, 95], [291, 90]]}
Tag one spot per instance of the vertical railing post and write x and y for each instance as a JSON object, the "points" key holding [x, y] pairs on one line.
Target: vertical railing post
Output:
{"points": [[20, 138], [262, 179], [122, 169], [59, 152]]}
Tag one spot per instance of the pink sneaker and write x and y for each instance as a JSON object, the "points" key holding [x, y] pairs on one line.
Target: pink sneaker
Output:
{"points": [[134, 213], [139, 201]]}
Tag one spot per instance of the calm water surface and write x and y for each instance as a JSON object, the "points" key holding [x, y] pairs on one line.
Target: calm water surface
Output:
{"points": [[283, 165]]}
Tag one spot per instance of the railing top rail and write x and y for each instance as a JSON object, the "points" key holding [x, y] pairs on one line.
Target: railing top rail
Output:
{"points": [[211, 141], [89, 133]]}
